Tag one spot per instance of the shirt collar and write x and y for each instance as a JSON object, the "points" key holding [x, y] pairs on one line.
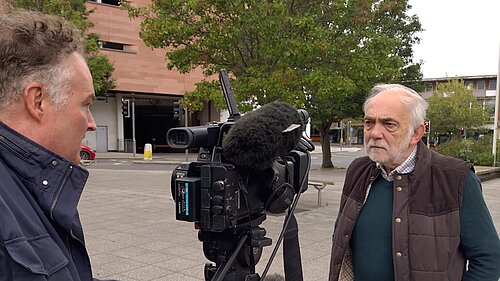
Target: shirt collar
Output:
{"points": [[406, 167]]}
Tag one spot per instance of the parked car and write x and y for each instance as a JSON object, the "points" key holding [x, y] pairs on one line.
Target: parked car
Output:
{"points": [[86, 153]]}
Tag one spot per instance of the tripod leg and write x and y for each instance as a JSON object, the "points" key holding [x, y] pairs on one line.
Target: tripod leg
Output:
{"points": [[224, 268], [291, 250]]}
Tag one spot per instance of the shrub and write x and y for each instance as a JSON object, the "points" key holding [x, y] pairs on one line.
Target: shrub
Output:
{"points": [[471, 150]]}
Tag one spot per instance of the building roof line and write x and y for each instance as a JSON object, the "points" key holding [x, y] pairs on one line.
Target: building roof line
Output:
{"points": [[469, 77], [146, 94]]}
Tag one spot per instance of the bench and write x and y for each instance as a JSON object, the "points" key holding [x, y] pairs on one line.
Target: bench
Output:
{"points": [[319, 186]]}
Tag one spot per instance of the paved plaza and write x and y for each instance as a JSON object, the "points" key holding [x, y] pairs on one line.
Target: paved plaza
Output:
{"points": [[132, 234]]}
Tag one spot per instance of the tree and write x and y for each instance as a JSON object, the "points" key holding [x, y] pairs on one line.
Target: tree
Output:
{"points": [[453, 106], [323, 55], [76, 12]]}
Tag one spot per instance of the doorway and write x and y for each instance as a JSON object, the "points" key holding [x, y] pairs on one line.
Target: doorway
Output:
{"points": [[102, 139]]}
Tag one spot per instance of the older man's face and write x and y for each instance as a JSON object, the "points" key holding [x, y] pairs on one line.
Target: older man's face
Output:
{"points": [[387, 132]]}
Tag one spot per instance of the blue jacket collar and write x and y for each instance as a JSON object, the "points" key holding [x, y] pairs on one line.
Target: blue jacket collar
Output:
{"points": [[55, 183]]}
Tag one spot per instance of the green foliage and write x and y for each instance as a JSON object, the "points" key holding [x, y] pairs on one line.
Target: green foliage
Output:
{"points": [[101, 70], [478, 152], [453, 106], [323, 55], [412, 77], [287, 50], [76, 12], [100, 66], [204, 89]]}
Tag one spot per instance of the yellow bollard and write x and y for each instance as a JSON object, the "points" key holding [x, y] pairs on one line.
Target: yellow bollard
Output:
{"points": [[148, 152]]}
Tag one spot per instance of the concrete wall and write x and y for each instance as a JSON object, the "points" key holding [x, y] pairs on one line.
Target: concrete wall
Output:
{"points": [[105, 113]]}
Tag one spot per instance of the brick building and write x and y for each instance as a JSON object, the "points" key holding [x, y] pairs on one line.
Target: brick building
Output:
{"points": [[142, 77]]}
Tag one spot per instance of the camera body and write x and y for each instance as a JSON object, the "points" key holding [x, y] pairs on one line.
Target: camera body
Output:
{"points": [[216, 196], [206, 194]]}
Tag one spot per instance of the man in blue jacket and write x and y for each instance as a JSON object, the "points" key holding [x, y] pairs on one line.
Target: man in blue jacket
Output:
{"points": [[45, 94]]}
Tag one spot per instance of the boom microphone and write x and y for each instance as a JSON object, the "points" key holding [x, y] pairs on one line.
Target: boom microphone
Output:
{"points": [[259, 137]]}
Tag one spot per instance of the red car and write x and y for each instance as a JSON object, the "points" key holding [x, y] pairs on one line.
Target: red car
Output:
{"points": [[86, 153]]}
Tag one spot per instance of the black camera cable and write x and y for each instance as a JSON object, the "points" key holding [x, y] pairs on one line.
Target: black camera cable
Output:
{"points": [[288, 218]]}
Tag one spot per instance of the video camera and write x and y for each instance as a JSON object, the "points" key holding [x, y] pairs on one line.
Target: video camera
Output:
{"points": [[227, 203]]}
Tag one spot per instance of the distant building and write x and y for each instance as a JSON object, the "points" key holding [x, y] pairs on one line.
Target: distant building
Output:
{"points": [[484, 88], [142, 77]]}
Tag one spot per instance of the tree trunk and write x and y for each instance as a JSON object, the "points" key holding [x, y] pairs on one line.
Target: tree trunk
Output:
{"points": [[325, 146]]}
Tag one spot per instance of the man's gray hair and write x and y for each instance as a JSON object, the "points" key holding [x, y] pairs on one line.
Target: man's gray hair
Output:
{"points": [[415, 103], [35, 47]]}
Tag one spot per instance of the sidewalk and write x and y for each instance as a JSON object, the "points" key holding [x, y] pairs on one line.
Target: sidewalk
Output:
{"points": [[181, 157], [319, 175], [484, 172], [132, 234], [317, 195]]}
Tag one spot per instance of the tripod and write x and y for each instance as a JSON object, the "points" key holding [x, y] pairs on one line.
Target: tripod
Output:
{"points": [[235, 251]]}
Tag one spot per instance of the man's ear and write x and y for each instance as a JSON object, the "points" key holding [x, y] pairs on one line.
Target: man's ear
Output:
{"points": [[418, 133], [35, 100]]}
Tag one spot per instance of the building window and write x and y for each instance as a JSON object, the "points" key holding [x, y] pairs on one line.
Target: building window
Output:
{"points": [[469, 85], [109, 2], [111, 45], [428, 87], [117, 47], [480, 85], [492, 85], [490, 103]]}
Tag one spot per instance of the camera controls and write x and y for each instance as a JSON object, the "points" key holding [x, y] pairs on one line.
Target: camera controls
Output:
{"points": [[217, 200], [217, 209], [218, 185]]}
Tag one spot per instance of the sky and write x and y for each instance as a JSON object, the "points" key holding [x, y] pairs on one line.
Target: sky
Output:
{"points": [[460, 37]]}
